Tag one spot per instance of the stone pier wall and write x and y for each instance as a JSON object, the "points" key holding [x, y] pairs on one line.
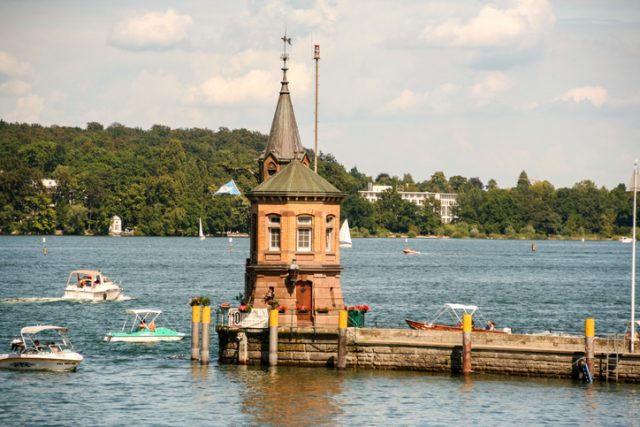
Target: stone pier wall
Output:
{"points": [[435, 351]]}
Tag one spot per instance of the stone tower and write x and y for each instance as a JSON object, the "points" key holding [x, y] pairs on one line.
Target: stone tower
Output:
{"points": [[295, 219]]}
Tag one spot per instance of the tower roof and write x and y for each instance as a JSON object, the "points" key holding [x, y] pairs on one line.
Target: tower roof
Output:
{"points": [[284, 139], [296, 179]]}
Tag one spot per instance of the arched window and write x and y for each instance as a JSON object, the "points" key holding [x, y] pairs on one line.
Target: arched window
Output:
{"points": [[272, 169], [273, 232], [305, 228], [329, 233]]}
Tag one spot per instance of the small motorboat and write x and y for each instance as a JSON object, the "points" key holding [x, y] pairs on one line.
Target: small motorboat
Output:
{"points": [[410, 251], [625, 239], [140, 326], [42, 348], [455, 313], [91, 285]]}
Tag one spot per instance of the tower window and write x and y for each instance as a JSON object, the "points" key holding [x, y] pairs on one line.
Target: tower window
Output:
{"points": [[329, 233], [273, 227], [305, 228]]}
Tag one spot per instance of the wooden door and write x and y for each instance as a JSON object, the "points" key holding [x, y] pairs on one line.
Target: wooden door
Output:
{"points": [[303, 300]]}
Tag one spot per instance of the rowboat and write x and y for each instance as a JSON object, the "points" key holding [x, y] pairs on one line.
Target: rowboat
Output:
{"points": [[455, 313]]}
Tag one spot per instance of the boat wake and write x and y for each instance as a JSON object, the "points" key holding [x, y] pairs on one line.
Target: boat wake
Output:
{"points": [[41, 300], [30, 300]]}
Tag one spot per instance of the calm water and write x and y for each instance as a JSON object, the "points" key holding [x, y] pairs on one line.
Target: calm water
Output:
{"points": [[551, 290]]}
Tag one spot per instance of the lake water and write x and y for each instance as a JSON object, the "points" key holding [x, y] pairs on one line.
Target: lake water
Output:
{"points": [[551, 290]]}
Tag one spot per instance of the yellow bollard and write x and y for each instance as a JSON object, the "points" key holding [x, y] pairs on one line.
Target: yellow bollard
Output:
{"points": [[206, 326], [467, 326], [195, 331], [273, 337], [342, 339], [589, 337]]}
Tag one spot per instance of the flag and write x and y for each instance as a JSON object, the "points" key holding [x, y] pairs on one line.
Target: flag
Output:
{"points": [[229, 188]]}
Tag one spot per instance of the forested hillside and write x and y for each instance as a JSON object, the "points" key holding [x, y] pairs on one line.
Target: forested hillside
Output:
{"points": [[161, 180]]}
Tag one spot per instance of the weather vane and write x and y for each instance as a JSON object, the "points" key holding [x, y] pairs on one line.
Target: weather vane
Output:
{"points": [[285, 40]]}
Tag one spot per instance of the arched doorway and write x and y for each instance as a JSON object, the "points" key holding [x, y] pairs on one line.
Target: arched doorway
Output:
{"points": [[304, 301]]}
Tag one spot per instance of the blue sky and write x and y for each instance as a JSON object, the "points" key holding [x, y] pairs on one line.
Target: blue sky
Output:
{"points": [[470, 88]]}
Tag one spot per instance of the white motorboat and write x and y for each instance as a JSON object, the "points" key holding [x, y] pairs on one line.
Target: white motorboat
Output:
{"points": [[42, 348], [141, 328], [91, 285]]}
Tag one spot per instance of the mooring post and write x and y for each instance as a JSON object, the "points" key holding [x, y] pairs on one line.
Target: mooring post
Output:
{"points": [[273, 337], [467, 322], [206, 326], [342, 339], [195, 331], [589, 333], [243, 349]]}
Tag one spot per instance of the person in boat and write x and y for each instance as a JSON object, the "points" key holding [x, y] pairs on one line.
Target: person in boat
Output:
{"points": [[17, 344], [490, 326], [143, 325], [97, 282], [152, 326], [36, 345]]}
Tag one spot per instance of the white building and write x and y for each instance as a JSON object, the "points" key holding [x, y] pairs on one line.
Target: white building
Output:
{"points": [[115, 229], [447, 200]]}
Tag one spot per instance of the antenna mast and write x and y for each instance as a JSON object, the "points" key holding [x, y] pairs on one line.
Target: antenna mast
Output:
{"points": [[316, 56]]}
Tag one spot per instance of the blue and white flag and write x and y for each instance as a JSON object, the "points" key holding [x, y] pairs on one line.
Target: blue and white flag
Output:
{"points": [[228, 188]]}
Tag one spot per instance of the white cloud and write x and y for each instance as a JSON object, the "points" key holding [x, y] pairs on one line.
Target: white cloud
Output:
{"points": [[14, 87], [407, 100], [520, 25], [596, 95], [255, 86], [11, 66], [487, 89], [28, 109], [218, 90], [153, 30]]}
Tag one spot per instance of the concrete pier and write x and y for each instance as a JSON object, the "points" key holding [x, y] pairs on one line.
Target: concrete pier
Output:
{"points": [[431, 351]]}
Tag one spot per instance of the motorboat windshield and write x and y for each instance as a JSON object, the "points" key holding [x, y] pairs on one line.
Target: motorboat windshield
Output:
{"points": [[46, 337]]}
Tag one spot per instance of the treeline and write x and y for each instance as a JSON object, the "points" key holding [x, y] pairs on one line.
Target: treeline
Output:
{"points": [[161, 180], [528, 210]]}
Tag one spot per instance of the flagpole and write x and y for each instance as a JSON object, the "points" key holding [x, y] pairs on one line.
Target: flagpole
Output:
{"points": [[633, 258]]}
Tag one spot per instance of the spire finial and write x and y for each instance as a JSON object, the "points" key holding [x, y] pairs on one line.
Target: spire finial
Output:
{"points": [[285, 57]]}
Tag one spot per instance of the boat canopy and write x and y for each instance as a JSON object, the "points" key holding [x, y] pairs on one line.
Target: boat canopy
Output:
{"points": [[143, 311], [455, 312], [36, 329], [468, 309], [86, 272]]}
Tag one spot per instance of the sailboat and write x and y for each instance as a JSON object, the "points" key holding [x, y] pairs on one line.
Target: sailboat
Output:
{"points": [[200, 232], [345, 235]]}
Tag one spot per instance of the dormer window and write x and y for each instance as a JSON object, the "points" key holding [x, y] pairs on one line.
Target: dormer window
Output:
{"points": [[305, 228], [272, 169], [329, 233], [273, 230]]}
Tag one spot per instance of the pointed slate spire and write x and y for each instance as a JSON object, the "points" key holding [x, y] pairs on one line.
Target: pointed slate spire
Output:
{"points": [[284, 138]]}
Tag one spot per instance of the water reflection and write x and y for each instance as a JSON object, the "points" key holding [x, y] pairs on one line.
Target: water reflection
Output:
{"points": [[292, 396]]}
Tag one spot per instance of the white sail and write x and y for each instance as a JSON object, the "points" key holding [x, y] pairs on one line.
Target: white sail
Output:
{"points": [[200, 232], [345, 235]]}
